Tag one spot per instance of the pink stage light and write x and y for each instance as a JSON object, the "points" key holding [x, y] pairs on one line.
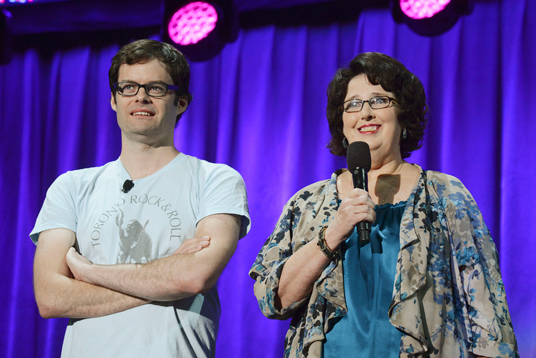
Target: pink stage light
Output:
{"points": [[421, 9], [15, 1], [192, 23]]}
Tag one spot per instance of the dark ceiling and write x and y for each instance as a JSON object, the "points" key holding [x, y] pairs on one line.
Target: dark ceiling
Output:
{"points": [[105, 15]]}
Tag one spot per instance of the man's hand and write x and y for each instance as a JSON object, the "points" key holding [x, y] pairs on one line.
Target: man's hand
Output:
{"points": [[77, 264], [194, 267], [59, 295]]}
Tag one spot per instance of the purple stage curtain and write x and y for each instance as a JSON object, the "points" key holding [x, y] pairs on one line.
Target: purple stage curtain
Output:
{"points": [[259, 106]]}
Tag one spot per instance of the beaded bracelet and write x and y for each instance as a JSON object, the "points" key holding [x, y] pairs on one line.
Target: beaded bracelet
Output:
{"points": [[330, 254]]}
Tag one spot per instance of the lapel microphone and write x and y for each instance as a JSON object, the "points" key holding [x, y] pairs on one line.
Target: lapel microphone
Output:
{"points": [[127, 186]]}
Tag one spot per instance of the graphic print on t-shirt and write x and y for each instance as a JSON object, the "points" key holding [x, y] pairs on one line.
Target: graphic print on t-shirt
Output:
{"points": [[136, 228], [135, 244]]}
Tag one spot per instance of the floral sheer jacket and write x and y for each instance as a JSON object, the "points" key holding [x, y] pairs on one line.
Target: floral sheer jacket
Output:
{"points": [[448, 297]]}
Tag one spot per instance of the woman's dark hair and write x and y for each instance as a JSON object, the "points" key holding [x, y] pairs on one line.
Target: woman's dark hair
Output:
{"points": [[394, 77], [143, 51]]}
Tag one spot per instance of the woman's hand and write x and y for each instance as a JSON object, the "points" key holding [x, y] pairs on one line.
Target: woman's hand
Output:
{"points": [[304, 266], [357, 206], [193, 245]]}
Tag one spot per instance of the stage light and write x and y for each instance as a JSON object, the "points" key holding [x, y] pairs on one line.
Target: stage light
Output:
{"points": [[430, 17], [192, 23], [15, 1], [420, 9], [200, 29]]}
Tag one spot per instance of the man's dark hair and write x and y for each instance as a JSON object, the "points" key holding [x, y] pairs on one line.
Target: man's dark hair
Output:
{"points": [[143, 51], [394, 77]]}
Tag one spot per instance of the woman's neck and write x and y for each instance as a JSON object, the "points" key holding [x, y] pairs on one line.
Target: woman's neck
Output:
{"points": [[385, 167], [389, 181]]}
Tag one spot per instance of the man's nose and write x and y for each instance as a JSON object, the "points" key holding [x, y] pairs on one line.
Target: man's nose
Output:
{"points": [[142, 95]]}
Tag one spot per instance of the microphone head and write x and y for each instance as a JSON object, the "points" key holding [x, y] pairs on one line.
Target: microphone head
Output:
{"points": [[358, 156], [127, 185]]}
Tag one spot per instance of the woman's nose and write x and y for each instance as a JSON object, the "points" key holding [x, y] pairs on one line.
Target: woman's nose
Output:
{"points": [[367, 113]]}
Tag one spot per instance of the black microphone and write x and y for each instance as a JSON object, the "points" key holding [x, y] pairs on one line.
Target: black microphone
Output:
{"points": [[127, 185], [359, 162]]}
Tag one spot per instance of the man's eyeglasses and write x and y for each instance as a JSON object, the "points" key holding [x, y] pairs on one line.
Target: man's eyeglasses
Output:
{"points": [[153, 89], [356, 105]]}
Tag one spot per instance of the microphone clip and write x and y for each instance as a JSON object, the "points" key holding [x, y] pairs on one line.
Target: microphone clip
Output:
{"points": [[127, 186]]}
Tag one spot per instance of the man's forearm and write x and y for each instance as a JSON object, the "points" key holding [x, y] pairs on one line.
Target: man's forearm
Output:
{"points": [[58, 295], [66, 297], [181, 275], [165, 279]]}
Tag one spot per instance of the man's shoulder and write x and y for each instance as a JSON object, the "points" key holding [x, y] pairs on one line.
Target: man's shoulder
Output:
{"points": [[80, 177], [206, 168], [92, 170]]}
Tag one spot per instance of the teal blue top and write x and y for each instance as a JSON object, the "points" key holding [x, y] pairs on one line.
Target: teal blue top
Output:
{"points": [[369, 273]]}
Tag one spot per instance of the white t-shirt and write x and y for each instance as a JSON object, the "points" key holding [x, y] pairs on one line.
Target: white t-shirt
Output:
{"points": [[147, 223]]}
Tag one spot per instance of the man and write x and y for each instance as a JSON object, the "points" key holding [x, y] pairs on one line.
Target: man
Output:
{"points": [[142, 288]]}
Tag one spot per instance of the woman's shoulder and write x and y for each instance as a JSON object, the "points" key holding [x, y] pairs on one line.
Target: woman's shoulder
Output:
{"points": [[314, 188], [309, 195], [317, 190], [444, 180], [439, 176], [450, 189]]}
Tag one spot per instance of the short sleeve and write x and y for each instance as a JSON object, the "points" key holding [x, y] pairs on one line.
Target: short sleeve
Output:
{"points": [[58, 210], [224, 192]]}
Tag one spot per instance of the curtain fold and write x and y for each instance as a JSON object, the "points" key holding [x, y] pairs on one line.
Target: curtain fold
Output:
{"points": [[259, 106]]}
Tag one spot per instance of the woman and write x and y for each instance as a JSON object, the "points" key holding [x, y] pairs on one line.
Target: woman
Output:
{"points": [[427, 285]]}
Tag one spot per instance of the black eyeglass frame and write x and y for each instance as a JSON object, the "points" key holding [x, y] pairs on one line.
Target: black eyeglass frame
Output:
{"points": [[391, 99], [144, 86]]}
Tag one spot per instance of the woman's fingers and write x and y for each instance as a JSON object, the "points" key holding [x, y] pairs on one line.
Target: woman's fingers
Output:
{"points": [[356, 207], [359, 196], [193, 245], [358, 202]]}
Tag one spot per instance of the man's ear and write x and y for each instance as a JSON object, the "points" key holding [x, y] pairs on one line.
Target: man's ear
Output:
{"points": [[182, 105], [112, 103]]}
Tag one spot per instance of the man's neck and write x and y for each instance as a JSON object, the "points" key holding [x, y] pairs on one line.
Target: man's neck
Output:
{"points": [[141, 160]]}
